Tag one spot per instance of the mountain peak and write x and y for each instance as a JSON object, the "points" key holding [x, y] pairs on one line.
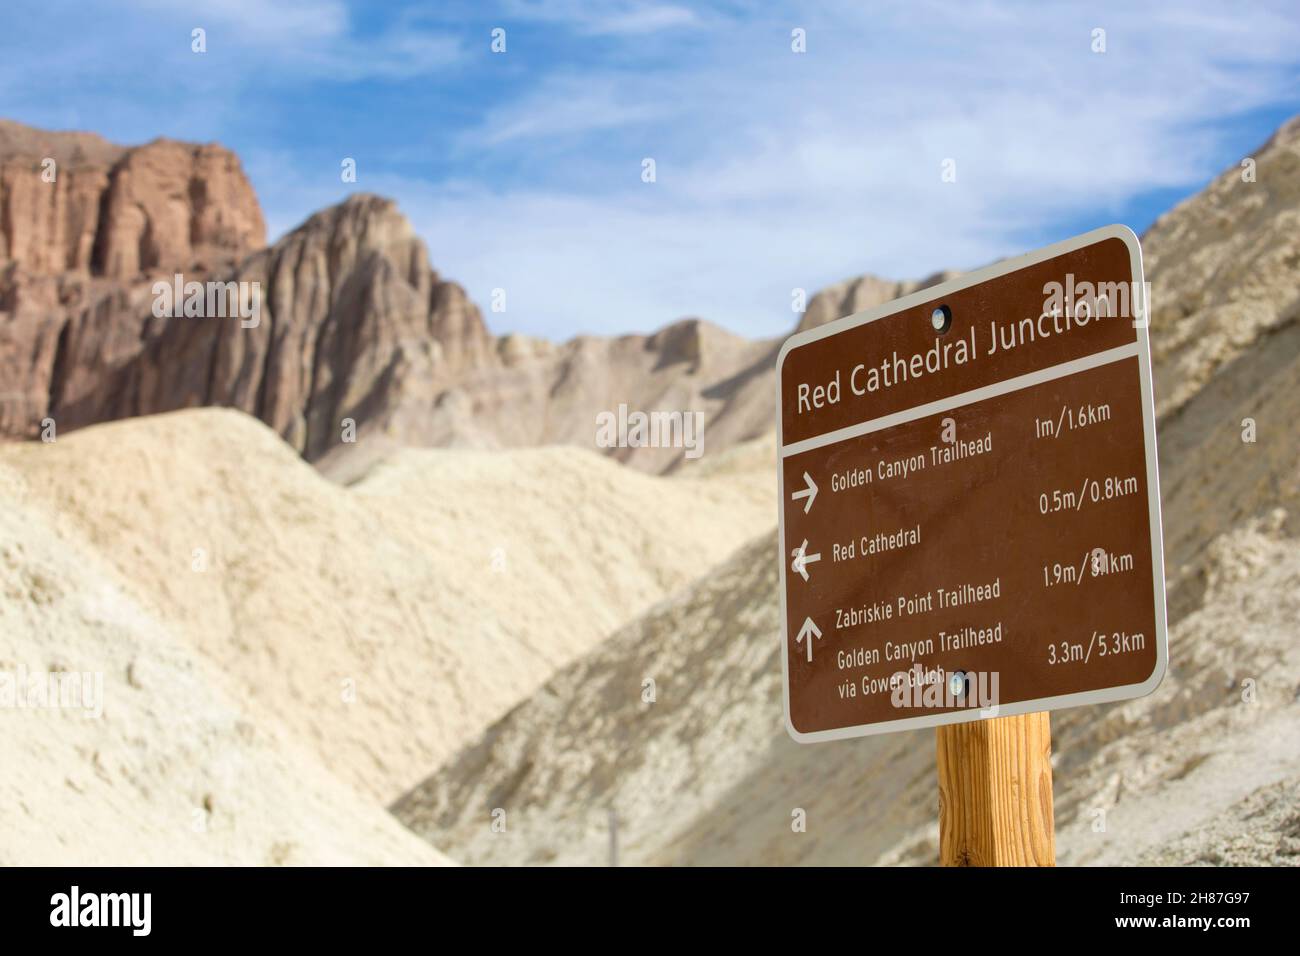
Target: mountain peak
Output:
{"points": [[857, 295], [75, 202]]}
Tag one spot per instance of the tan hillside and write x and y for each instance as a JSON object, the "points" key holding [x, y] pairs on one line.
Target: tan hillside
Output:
{"points": [[545, 393], [436, 593], [1223, 267], [174, 770], [707, 775]]}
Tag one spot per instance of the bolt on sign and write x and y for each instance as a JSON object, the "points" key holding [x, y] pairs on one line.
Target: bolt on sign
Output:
{"points": [[970, 513]]}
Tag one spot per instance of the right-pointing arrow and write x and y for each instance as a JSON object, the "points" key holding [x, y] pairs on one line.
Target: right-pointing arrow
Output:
{"points": [[806, 635], [809, 492]]}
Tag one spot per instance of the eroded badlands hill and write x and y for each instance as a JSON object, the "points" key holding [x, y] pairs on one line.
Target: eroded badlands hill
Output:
{"points": [[384, 624], [167, 762], [1199, 772]]}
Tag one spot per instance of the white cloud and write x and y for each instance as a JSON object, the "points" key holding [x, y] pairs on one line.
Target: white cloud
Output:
{"points": [[643, 19], [312, 39], [778, 170], [566, 106], [604, 17], [285, 22]]}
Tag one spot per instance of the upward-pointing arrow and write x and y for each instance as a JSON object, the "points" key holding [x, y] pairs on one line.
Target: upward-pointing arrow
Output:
{"points": [[809, 492], [807, 633]]}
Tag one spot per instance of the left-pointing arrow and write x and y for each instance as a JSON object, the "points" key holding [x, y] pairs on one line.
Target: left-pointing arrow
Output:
{"points": [[806, 635], [801, 559]]}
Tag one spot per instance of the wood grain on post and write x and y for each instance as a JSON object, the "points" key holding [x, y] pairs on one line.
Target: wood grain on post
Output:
{"points": [[995, 792]]}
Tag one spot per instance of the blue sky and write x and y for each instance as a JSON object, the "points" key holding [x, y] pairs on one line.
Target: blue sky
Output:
{"points": [[775, 169]]}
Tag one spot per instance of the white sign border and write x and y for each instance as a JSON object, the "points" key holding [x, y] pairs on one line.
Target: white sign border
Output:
{"points": [[932, 294]]}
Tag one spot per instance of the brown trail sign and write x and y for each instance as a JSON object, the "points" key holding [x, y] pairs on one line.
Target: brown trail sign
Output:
{"points": [[970, 516]]}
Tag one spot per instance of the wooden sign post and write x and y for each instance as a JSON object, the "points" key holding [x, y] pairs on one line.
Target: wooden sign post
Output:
{"points": [[969, 526], [995, 792]]}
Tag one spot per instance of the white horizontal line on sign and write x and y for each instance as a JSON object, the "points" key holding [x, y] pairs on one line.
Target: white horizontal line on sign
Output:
{"points": [[964, 398]]}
